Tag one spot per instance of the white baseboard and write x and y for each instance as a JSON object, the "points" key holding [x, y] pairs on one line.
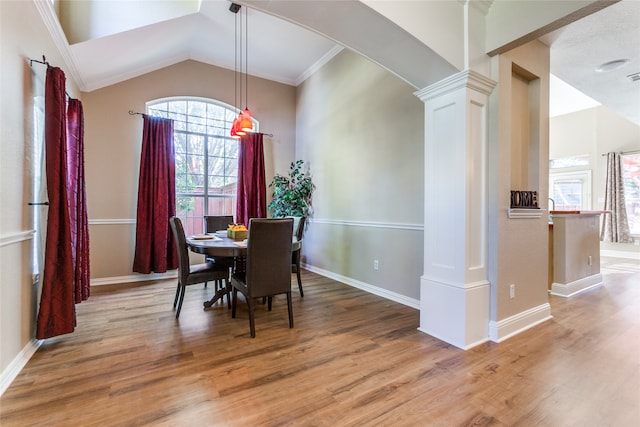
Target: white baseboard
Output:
{"points": [[16, 365], [393, 296], [506, 328], [620, 254], [100, 281], [577, 286]]}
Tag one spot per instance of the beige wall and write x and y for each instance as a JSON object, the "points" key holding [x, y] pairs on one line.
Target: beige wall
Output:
{"points": [[361, 130], [595, 131], [113, 138], [518, 248], [22, 36]]}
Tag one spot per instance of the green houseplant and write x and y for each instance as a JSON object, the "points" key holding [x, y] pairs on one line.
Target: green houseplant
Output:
{"points": [[292, 193]]}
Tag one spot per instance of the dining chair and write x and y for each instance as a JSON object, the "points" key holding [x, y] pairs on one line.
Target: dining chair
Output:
{"points": [[213, 223], [298, 232], [190, 274], [267, 266]]}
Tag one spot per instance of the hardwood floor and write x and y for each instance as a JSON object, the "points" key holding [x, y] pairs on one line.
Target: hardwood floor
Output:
{"points": [[352, 359]]}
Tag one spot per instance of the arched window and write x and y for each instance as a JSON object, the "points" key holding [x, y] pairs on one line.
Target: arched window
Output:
{"points": [[206, 157]]}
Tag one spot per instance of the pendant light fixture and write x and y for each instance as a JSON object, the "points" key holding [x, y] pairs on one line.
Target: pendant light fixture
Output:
{"points": [[246, 124], [236, 130]]}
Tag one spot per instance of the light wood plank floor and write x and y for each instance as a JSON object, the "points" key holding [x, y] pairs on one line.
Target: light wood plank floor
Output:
{"points": [[353, 359]]}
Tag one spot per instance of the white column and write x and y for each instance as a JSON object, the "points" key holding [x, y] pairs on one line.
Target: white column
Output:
{"points": [[454, 290]]}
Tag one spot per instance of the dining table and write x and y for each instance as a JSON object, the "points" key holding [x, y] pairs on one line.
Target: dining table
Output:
{"points": [[219, 245]]}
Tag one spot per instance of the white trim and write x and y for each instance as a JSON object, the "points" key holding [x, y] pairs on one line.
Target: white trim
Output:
{"points": [[393, 296], [17, 364], [577, 286], [110, 221], [517, 213], [620, 254], [318, 64], [468, 79], [50, 19], [101, 281], [506, 328], [21, 236], [371, 224]]}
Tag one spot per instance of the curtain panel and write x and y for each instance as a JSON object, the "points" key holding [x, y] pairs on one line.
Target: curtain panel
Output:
{"points": [[252, 188], [78, 200], [615, 226], [155, 250], [57, 309]]}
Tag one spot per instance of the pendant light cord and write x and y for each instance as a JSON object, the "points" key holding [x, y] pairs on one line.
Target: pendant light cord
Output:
{"points": [[246, 63], [235, 61]]}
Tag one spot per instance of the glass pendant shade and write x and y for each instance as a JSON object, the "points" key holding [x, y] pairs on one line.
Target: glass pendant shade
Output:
{"points": [[236, 131], [245, 120]]}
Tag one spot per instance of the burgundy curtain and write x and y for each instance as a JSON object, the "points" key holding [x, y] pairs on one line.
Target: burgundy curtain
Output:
{"points": [[57, 309], [78, 199], [155, 250], [252, 188]]}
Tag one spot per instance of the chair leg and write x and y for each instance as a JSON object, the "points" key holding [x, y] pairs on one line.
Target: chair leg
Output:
{"points": [[226, 285], [269, 302], [290, 307], [252, 322], [180, 302], [175, 300], [297, 264], [234, 303], [299, 280]]}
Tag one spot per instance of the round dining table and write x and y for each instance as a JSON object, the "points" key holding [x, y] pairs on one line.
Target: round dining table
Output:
{"points": [[219, 245]]}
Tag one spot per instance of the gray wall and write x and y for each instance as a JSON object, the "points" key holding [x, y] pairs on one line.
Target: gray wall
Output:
{"points": [[361, 130]]}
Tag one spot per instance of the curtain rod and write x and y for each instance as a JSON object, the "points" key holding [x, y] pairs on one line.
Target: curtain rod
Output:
{"points": [[45, 62], [133, 113], [625, 152]]}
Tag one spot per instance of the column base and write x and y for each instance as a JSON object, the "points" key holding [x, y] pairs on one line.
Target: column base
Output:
{"points": [[455, 313]]}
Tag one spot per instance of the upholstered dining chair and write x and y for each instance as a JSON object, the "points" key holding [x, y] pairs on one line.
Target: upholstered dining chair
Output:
{"points": [[268, 266], [190, 274], [298, 233], [213, 223]]}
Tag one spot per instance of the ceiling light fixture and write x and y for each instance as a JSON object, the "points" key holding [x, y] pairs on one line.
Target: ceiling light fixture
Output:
{"points": [[612, 65]]}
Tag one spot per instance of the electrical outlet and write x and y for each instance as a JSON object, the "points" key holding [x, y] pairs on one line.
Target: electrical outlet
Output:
{"points": [[376, 264], [512, 291], [590, 260]]}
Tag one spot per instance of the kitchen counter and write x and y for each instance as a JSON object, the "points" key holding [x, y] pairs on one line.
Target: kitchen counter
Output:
{"points": [[574, 251]]}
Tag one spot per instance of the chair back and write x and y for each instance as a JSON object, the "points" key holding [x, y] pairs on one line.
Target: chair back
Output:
{"points": [[183, 250], [218, 222], [268, 267], [298, 226]]}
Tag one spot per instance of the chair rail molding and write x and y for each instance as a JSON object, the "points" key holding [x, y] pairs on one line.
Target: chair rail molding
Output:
{"points": [[111, 221], [370, 224], [11, 238]]}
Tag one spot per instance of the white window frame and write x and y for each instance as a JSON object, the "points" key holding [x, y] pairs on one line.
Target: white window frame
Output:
{"points": [[584, 176], [194, 224]]}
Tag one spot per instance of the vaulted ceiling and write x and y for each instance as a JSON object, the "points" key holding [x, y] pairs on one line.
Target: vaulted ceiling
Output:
{"points": [[111, 41]]}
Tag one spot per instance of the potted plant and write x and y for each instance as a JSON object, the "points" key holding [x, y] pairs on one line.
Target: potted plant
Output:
{"points": [[292, 193]]}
